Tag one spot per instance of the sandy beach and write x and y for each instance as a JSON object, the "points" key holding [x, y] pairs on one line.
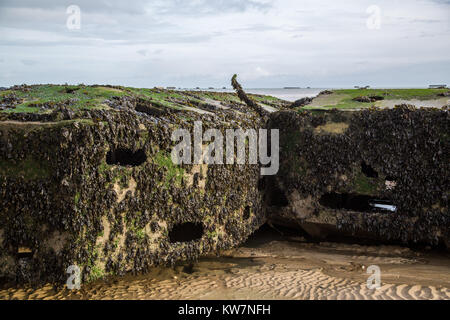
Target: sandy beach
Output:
{"points": [[269, 266]]}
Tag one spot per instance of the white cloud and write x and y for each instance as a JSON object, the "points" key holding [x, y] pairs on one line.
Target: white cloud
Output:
{"points": [[203, 42]]}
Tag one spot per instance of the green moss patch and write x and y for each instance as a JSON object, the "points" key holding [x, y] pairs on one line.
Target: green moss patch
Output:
{"points": [[173, 171], [28, 168], [344, 99], [365, 185]]}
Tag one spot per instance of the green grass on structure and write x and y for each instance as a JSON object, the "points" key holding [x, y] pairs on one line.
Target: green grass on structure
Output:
{"points": [[391, 94], [80, 97], [219, 96], [343, 99], [45, 98], [261, 98]]}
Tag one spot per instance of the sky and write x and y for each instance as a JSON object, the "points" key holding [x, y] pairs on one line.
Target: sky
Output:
{"points": [[190, 43]]}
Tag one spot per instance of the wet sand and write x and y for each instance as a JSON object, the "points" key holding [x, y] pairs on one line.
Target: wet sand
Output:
{"points": [[269, 266]]}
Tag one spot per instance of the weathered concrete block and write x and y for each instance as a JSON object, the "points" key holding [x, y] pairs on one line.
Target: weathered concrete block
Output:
{"points": [[379, 174], [99, 190]]}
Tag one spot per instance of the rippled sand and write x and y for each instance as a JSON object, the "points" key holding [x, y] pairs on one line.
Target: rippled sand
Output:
{"points": [[271, 267]]}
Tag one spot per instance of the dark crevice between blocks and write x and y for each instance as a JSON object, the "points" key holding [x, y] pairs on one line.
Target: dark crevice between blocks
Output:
{"points": [[277, 197], [261, 184]]}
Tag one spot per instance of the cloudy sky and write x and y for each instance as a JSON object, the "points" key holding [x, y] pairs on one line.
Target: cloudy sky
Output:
{"points": [[189, 43]]}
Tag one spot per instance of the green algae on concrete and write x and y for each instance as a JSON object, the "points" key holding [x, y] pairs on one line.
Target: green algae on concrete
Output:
{"points": [[28, 168], [173, 172], [344, 98], [43, 99]]}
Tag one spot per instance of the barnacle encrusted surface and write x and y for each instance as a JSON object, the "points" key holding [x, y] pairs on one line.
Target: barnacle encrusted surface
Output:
{"points": [[93, 185], [335, 166], [86, 176]]}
